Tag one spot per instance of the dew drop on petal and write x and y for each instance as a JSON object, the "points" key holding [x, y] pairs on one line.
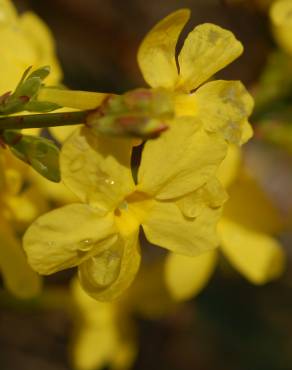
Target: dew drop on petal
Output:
{"points": [[85, 245], [109, 181]]}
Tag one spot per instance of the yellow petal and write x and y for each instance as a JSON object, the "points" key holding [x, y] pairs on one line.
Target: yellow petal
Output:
{"points": [[97, 168], [210, 195], [258, 256], [167, 227], [224, 106], [148, 295], [251, 207], [52, 191], [32, 45], [62, 133], [108, 274], [93, 347], [229, 168], [41, 39], [247, 132], [181, 160], [206, 50], [156, 55], [67, 236], [280, 14], [100, 323], [14, 60], [18, 277], [96, 324], [8, 13], [187, 276]]}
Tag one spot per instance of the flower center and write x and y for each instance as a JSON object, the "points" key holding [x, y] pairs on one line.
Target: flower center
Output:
{"points": [[132, 212]]}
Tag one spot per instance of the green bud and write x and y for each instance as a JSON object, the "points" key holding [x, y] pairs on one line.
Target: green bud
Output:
{"points": [[142, 113], [25, 94], [40, 153]]}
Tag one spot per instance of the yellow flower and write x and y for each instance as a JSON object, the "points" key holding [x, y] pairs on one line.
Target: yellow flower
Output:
{"points": [[206, 50], [17, 209], [246, 232], [177, 199], [281, 19], [103, 334], [24, 41]]}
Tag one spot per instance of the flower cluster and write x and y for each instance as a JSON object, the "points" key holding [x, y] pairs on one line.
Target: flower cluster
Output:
{"points": [[176, 196]]}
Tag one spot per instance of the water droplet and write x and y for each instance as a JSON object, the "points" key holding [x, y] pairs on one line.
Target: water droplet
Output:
{"points": [[109, 181], [85, 245], [105, 267], [77, 163]]}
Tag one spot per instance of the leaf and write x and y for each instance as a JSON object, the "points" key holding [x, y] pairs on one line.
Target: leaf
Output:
{"points": [[40, 153], [25, 94]]}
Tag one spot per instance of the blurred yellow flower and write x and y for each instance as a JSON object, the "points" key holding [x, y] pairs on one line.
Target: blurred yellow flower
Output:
{"points": [[18, 208], [281, 19], [246, 233], [103, 335], [24, 41], [177, 198]]}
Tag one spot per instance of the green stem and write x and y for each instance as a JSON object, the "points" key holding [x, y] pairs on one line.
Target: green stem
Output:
{"points": [[43, 120]]}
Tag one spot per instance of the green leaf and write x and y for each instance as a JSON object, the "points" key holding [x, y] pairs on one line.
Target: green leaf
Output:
{"points": [[25, 94], [40, 153], [41, 73], [29, 87]]}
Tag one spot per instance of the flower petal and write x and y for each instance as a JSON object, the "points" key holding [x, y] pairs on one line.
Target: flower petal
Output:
{"points": [[210, 195], [229, 168], [41, 39], [108, 274], [280, 15], [97, 168], [156, 55], [251, 207], [167, 227], [224, 106], [247, 132], [18, 277], [256, 255], [181, 160], [206, 50], [67, 236], [9, 13], [186, 276], [99, 322]]}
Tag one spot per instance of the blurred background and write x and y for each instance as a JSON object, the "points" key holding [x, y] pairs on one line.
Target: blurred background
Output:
{"points": [[231, 324]]}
